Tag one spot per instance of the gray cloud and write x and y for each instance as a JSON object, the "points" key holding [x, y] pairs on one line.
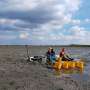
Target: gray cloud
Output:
{"points": [[37, 12], [32, 16], [40, 18]]}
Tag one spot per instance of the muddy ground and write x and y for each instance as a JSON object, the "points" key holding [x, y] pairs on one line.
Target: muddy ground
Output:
{"points": [[17, 74]]}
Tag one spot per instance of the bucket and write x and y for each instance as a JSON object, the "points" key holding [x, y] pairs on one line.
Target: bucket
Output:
{"points": [[71, 64], [65, 65], [58, 64], [80, 64]]}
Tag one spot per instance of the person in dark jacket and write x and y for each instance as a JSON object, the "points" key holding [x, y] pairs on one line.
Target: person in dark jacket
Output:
{"points": [[64, 56], [50, 54]]}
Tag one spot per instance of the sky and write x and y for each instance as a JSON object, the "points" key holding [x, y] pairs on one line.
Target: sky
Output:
{"points": [[44, 22]]}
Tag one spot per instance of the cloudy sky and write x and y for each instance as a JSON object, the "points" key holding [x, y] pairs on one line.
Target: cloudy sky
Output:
{"points": [[40, 22]]}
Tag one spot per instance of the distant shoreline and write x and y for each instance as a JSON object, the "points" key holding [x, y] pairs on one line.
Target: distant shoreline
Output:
{"points": [[53, 45]]}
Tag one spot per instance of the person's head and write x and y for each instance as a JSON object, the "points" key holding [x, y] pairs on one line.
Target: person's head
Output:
{"points": [[63, 49], [50, 49]]}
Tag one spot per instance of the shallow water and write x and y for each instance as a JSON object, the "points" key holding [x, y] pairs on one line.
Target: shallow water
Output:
{"points": [[77, 52]]}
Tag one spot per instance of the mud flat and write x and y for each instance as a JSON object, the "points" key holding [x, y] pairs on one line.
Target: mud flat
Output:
{"points": [[17, 74]]}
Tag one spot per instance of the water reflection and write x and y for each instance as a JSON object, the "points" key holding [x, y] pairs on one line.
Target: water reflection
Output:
{"points": [[68, 71]]}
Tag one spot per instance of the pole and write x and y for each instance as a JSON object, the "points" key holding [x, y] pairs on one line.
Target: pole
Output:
{"points": [[28, 58]]}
